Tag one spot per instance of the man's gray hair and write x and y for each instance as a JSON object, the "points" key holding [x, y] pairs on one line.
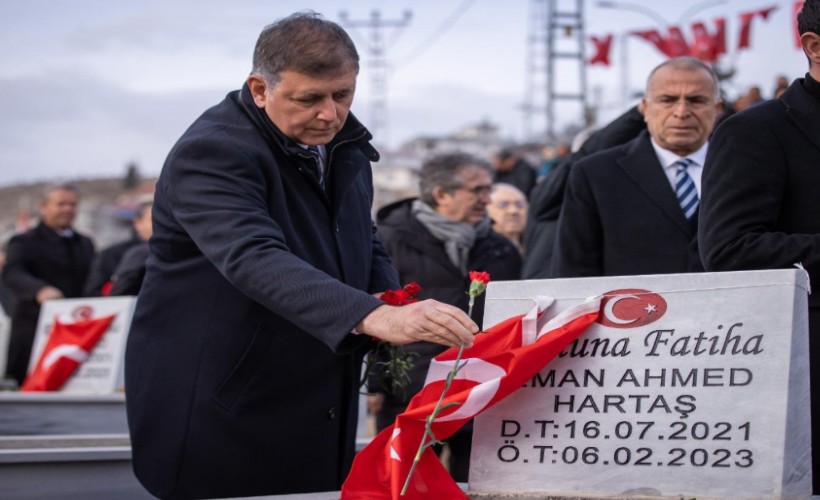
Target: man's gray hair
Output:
{"points": [[62, 186], [687, 63], [305, 43], [440, 171]]}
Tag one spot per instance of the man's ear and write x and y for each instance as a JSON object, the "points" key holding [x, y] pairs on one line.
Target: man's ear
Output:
{"points": [[259, 90], [439, 194], [811, 46]]}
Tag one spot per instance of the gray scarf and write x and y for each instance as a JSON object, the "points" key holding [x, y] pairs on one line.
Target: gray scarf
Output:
{"points": [[458, 237]]}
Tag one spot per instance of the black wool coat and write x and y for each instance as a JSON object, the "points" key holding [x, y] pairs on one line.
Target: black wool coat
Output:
{"points": [[760, 207], [548, 196], [35, 259], [241, 369], [621, 217]]}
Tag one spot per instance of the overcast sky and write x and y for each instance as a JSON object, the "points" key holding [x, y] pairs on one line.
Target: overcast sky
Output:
{"points": [[88, 85]]}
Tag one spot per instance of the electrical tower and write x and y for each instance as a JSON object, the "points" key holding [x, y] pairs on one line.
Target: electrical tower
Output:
{"points": [[555, 53], [377, 65]]}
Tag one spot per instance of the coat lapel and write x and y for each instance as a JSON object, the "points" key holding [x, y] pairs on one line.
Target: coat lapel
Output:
{"points": [[640, 163], [803, 110]]}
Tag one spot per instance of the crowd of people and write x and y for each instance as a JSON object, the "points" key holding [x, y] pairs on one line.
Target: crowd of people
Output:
{"points": [[260, 294]]}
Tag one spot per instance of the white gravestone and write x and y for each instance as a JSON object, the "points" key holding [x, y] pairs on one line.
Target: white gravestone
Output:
{"points": [[5, 331], [687, 386], [103, 371]]}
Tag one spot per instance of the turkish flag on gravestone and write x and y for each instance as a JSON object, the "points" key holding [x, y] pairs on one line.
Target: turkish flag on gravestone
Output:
{"points": [[501, 360], [68, 345]]}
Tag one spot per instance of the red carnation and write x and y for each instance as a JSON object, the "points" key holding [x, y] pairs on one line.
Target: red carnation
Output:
{"points": [[481, 276]]}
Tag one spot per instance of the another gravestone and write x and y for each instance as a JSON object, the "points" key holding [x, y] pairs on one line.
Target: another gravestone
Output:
{"points": [[103, 371]]}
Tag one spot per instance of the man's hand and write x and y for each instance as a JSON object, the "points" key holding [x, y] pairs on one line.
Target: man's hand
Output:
{"points": [[428, 321], [48, 293], [374, 403]]}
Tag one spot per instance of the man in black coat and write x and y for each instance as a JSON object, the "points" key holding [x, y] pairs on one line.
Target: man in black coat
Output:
{"points": [[243, 359], [760, 206], [632, 209], [547, 196], [435, 240], [48, 262]]}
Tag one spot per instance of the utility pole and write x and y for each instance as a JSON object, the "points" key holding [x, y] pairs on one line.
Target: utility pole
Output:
{"points": [[556, 38], [377, 65], [535, 102], [566, 20]]}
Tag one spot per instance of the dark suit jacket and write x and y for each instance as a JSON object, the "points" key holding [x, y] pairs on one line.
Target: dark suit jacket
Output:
{"points": [[621, 217], [241, 370], [34, 259]]}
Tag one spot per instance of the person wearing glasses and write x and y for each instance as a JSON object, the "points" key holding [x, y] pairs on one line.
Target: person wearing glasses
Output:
{"points": [[435, 240], [508, 211]]}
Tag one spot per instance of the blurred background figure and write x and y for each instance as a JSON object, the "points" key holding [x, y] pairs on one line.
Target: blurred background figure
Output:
{"points": [[5, 293], [99, 281], [508, 211], [510, 168], [781, 83], [552, 156], [48, 262], [126, 279], [435, 240]]}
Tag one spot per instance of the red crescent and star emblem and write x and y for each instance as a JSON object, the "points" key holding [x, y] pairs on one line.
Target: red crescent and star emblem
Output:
{"points": [[631, 308], [82, 312]]}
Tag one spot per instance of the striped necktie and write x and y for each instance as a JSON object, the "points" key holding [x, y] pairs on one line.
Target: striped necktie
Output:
{"points": [[685, 188], [317, 169]]}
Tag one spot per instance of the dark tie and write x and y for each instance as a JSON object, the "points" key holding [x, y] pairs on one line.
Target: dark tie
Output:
{"points": [[685, 188], [316, 167]]}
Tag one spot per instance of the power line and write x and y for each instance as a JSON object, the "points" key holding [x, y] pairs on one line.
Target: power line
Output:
{"points": [[442, 28]]}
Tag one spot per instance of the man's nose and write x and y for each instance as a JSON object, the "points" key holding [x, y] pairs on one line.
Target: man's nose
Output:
{"points": [[327, 110], [682, 108]]}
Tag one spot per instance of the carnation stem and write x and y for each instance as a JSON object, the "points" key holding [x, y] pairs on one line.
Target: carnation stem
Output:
{"points": [[428, 425]]}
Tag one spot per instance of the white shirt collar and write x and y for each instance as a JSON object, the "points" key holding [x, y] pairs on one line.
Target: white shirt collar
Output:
{"points": [[667, 158]]}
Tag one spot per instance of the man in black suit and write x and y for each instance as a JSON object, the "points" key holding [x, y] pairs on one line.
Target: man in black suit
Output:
{"points": [[244, 356], [547, 197], [760, 206], [632, 209], [48, 262]]}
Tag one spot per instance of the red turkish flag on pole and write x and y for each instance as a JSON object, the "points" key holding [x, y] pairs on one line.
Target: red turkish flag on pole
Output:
{"points": [[656, 39], [705, 46], [746, 18], [602, 47], [501, 360], [676, 42], [68, 346]]}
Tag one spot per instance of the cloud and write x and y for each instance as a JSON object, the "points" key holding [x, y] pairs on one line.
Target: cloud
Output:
{"points": [[68, 125]]}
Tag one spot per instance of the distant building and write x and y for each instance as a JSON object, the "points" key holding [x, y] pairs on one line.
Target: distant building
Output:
{"points": [[481, 139]]}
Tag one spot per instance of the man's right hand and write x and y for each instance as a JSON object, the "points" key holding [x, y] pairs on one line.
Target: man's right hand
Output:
{"points": [[48, 293], [428, 321]]}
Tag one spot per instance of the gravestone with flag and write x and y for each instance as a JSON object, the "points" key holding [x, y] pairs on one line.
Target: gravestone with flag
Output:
{"points": [[498, 363], [79, 345]]}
